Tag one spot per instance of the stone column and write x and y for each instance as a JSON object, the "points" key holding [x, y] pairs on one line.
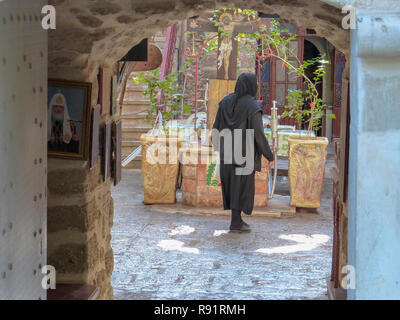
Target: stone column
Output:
{"points": [[79, 218], [23, 152], [374, 163], [80, 211]]}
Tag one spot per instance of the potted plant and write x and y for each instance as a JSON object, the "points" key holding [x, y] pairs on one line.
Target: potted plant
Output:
{"points": [[160, 147]]}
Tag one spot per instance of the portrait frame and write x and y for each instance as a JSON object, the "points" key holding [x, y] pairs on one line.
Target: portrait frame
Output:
{"points": [[106, 151], [83, 107], [95, 136], [117, 151], [114, 89]]}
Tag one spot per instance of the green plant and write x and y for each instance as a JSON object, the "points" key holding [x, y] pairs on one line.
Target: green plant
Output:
{"points": [[275, 41], [167, 90], [210, 180]]}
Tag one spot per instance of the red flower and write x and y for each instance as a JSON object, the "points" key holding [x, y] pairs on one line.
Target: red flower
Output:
{"points": [[219, 184], [284, 64]]}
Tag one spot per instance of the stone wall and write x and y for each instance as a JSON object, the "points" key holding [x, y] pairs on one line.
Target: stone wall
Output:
{"points": [[99, 32], [93, 34], [80, 213], [197, 191], [79, 220]]}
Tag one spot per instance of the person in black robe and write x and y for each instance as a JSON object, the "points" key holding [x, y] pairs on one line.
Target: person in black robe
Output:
{"points": [[241, 111]]}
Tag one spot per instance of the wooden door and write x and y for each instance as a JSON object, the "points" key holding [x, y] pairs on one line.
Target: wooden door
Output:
{"points": [[338, 69], [218, 90], [277, 80]]}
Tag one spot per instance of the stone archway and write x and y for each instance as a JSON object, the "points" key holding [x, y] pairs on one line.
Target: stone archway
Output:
{"points": [[99, 32], [96, 34]]}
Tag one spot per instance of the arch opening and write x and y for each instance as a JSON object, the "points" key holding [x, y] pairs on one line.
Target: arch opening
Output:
{"points": [[96, 34]]}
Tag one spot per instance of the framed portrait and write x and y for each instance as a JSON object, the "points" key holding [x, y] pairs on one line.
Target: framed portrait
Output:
{"points": [[117, 152], [95, 136], [68, 119], [114, 105], [106, 150], [100, 85]]}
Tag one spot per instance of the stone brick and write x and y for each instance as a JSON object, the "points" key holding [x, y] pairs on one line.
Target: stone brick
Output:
{"points": [[189, 172], [72, 217], [70, 258], [262, 175], [260, 200], [73, 180], [209, 201], [109, 262], [189, 198], [66, 181], [93, 252], [202, 172], [261, 187], [102, 255], [189, 185], [202, 187]]}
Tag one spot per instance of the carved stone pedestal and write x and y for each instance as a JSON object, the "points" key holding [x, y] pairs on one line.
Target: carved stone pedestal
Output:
{"points": [[160, 168], [307, 159]]}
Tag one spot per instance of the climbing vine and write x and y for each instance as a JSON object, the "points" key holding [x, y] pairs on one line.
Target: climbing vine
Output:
{"points": [[274, 41], [210, 172], [305, 106], [170, 98]]}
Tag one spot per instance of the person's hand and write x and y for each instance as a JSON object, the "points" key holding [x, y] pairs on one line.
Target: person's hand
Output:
{"points": [[67, 137], [271, 164]]}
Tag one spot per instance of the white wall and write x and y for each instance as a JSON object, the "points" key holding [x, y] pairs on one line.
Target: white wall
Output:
{"points": [[23, 154], [374, 164]]}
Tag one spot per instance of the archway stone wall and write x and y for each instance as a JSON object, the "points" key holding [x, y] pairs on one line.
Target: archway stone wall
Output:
{"points": [[93, 34]]}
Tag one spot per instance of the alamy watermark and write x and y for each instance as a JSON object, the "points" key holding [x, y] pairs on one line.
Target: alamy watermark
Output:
{"points": [[236, 147], [49, 19], [49, 280], [349, 280], [349, 21]]}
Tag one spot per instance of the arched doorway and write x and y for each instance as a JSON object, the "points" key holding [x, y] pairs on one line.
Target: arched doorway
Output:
{"points": [[94, 33], [75, 59], [311, 52]]}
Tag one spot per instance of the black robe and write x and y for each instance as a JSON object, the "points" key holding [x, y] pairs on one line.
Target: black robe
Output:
{"points": [[240, 110]]}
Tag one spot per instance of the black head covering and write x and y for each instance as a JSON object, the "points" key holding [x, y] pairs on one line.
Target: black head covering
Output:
{"points": [[240, 105], [246, 85]]}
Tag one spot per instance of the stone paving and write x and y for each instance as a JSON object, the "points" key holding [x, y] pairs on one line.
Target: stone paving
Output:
{"points": [[164, 255]]}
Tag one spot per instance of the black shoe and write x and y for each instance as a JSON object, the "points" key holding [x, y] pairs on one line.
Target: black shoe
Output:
{"points": [[244, 227], [245, 224]]}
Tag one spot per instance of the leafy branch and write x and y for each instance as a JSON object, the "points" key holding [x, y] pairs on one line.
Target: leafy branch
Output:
{"points": [[275, 42], [166, 90]]}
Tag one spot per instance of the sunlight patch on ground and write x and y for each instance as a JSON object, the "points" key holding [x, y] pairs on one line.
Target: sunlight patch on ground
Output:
{"points": [[182, 230], [218, 233], [304, 243], [175, 245]]}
